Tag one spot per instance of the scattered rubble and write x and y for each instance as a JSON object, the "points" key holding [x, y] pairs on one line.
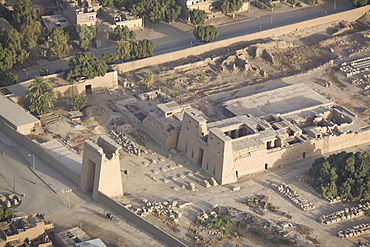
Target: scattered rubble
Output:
{"points": [[127, 145], [356, 66], [345, 214], [355, 231], [166, 210], [294, 197]]}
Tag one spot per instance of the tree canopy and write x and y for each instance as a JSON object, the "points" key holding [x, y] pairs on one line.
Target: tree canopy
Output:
{"points": [[58, 45], [109, 58], [231, 6], [122, 33], [42, 96], [23, 12], [11, 49], [86, 65], [86, 34], [124, 51], [7, 78], [156, 11], [197, 16], [205, 34], [346, 175]]}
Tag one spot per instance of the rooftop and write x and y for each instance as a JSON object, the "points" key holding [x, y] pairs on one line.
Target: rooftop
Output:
{"points": [[14, 113], [285, 100]]}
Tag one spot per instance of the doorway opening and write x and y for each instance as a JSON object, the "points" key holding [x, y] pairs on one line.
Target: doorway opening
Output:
{"points": [[266, 166], [88, 89]]}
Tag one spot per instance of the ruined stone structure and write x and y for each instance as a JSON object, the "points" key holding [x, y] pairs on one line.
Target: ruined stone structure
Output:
{"points": [[163, 125], [101, 168], [268, 129]]}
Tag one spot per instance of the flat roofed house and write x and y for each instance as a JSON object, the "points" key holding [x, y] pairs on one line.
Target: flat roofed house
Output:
{"points": [[17, 117]]}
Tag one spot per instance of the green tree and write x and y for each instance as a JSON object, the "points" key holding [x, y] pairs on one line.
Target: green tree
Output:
{"points": [[124, 51], [31, 34], [23, 12], [86, 34], [10, 40], [205, 34], [197, 16], [142, 49], [147, 79], [106, 3], [231, 6], [42, 96], [7, 58], [77, 102], [172, 11], [271, 5], [86, 65], [150, 8], [58, 45], [5, 214], [122, 33], [109, 58], [7, 78]]}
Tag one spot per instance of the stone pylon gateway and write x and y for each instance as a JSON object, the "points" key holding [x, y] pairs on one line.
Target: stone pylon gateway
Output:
{"points": [[101, 170]]}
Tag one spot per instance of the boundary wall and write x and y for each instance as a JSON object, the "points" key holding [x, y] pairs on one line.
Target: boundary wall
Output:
{"points": [[350, 16], [39, 151], [139, 221]]}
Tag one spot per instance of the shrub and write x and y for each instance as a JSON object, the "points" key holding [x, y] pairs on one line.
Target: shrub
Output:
{"points": [[77, 102], [256, 231]]}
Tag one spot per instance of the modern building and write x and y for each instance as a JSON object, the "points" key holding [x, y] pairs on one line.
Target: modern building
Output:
{"points": [[75, 237], [269, 129], [116, 17], [81, 12], [17, 117], [31, 230]]}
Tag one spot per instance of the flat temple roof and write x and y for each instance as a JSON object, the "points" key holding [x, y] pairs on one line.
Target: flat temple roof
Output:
{"points": [[285, 100], [14, 113]]}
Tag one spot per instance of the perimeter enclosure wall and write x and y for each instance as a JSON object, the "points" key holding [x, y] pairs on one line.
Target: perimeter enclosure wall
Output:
{"points": [[39, 151], [350, 16]]}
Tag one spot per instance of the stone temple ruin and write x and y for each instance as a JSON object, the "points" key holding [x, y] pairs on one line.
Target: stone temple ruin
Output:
{"points": [[268, 129], [101, 168]]}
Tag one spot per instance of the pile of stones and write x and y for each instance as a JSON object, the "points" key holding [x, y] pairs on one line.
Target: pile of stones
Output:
{"points": [[127, 145], [210, 182], [10, 201], [163, 210], [355, 231], [345, 214], [356, 66], [357, 81], [360, 244], [294, 197]]}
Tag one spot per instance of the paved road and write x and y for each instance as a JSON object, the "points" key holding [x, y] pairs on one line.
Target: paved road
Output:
{"points": [[175, 39], [38, 197]]}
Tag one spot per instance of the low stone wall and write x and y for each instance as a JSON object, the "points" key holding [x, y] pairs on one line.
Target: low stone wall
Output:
{"points": [[134, 218], [350, 16]]}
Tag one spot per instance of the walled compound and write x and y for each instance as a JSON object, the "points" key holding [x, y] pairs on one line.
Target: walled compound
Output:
{"points": [[268, 129]]}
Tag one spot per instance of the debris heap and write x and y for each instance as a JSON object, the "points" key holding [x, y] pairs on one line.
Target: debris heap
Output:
{"points": [[345, 214], [168, 211], [127, 145], [294, 197], [355, 231]]}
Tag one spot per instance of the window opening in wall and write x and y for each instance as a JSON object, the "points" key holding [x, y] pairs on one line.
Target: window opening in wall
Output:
{"points": [[304, 155], [237, 174], [266, 166], [186, 147], [192, 154]]}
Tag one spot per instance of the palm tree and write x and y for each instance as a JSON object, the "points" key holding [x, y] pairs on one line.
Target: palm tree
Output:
{"points": [[42, 96], [148, 78]]}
